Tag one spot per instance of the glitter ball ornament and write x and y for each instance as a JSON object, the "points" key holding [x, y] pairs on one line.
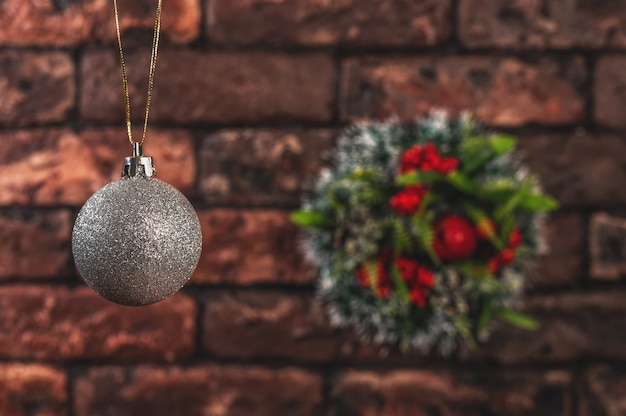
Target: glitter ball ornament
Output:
{"points": [[137, 240]]}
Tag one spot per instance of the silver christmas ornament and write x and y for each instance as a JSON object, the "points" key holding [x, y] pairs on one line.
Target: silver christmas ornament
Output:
{"points": [[137, 240]]}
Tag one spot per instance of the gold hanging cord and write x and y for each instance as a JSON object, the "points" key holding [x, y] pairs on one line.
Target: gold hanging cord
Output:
{"points": [[153, 59]]}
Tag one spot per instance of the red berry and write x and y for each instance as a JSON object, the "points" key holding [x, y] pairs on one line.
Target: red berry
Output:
{"points": [[515, 239], [430, 151], [418, 296], [411, 159], [407, 268], [493, 265], [430, 158], [454, 238], [427, 166], [383, 291], [506, 256], [448, 165], [425, 277], [384, 278], [407, 201], [362, 276]]}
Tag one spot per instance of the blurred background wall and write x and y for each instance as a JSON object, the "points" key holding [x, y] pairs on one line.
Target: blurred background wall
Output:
{"points": [[250, 94]]}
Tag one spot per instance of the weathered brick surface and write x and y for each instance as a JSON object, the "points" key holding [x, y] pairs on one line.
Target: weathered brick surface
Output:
{"points": [[198, 391], [32, 390], [180, 19], [602, 391], [59, 167], [249, 247], [563, 262], [322, 23], [247, 103], [579, 169], [607, 246], [573, 326], [609, 92], [451, 393], [49, 22], [267, 324], [271, 324], [71, 324], [218, 87], [36, 87], [515, 24], [34, 244], [503, 92], [261, 167]]}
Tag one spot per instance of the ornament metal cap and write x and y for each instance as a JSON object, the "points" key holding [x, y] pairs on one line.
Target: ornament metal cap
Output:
{"points": [[138, 164]]}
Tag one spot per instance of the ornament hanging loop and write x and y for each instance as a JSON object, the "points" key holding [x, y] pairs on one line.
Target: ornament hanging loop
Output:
{"points": [[138, 164], [137, 149]]}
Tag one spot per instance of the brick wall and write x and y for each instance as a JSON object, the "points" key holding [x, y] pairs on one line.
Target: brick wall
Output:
{"points": [[249, 96]]}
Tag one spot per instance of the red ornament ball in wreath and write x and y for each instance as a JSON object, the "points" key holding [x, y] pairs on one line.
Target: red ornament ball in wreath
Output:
{"points": [[454, 238]]}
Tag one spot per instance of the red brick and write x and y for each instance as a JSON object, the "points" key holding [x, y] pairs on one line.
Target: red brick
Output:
{"points": [[219, 87], [47, 22], [180, 23], [36, 87], [563, 263], [273, 324], [574, 167], [198, 391], [573, 326], [32, 390], [451, 393], [262, 167], [607, 245], [34, 244], [250, 247], [59, 167], [326, 23], [609, 94], [542, 25], [268, 324], [602, 392], [503, 92], [75, 324]]}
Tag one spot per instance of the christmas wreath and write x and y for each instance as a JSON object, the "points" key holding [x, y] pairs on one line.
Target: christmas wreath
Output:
{"points": [[422, 232]]}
